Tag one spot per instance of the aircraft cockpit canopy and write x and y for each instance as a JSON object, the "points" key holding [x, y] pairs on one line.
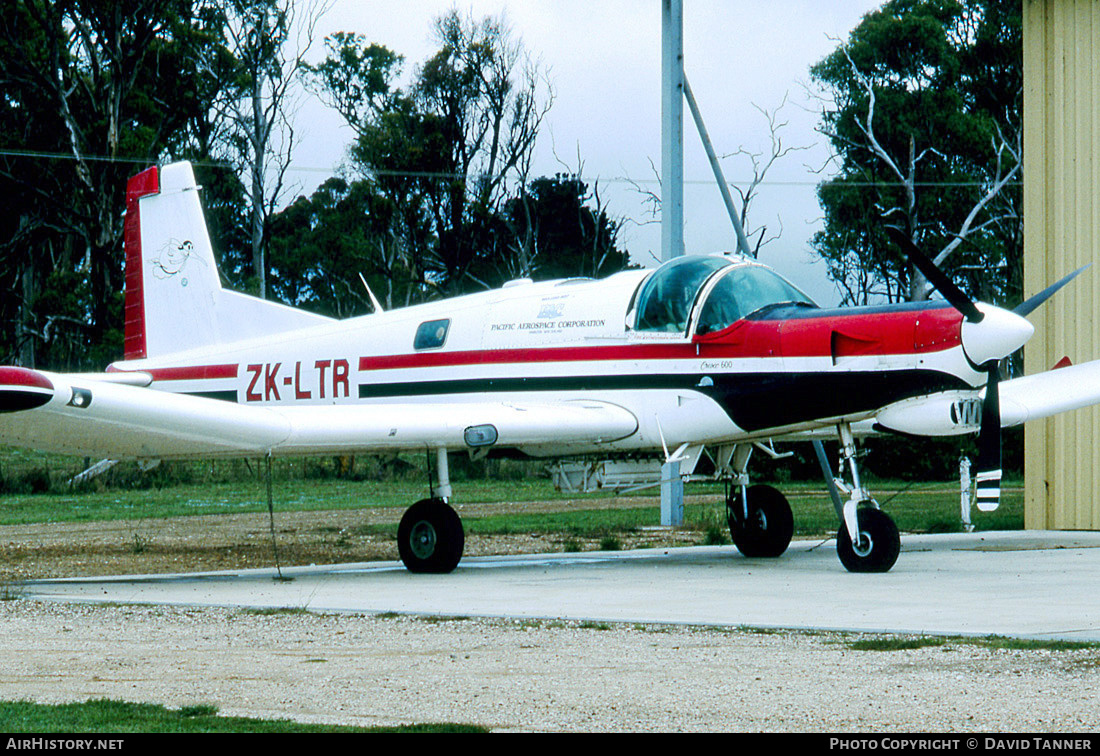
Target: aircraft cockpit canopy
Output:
{"points": [[719, 290]]}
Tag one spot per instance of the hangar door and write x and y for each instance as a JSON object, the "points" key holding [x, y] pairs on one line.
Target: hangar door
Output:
{"points": [[1062, 233]]}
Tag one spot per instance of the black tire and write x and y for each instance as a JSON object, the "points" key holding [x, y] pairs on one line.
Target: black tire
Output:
{"points": [[768, 529], [880, 537], [430, 538]]}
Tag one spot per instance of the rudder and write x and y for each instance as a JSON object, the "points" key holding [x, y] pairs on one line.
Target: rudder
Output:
{"points": [[174, 298]]}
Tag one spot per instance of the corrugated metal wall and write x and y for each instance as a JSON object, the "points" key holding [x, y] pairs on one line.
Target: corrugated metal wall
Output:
{"points": [[1062, 233]]}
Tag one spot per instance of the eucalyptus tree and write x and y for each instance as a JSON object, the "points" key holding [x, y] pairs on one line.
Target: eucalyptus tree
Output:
{"points": [[449, 147], [267, 41], [91, 91], [923, 108]]}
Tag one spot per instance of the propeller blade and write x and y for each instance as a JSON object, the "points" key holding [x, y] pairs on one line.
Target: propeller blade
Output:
{"points": [[1031, 304], [936, 277], [988, 475]]}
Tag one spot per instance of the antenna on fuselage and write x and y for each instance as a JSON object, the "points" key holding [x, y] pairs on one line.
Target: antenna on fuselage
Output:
{"points": [[373, 299]]}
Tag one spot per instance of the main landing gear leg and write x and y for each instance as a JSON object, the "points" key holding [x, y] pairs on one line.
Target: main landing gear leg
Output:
{"points": [[430, 537], [876, 543], [759, 516]]}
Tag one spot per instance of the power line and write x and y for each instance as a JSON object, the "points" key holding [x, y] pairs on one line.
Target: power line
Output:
{"points": [[453, 176], [98, 158]]}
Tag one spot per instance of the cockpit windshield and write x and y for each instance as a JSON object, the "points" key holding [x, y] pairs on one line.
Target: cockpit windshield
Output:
{"points": [[667, 298], [741, 292]]}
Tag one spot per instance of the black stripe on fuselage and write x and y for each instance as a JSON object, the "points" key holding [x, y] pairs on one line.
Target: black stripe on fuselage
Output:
{"points": [[752, 400], [225, 396]]}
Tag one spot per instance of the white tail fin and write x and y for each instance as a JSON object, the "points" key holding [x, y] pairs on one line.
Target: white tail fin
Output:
{"points": [[174, 298]]}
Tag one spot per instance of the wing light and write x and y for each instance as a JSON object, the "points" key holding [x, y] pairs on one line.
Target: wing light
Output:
{"points": [[477, 436]]}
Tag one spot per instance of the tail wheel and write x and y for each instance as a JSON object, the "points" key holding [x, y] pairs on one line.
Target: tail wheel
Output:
{"points": [[767, 530], [430, 538], [878, 547]]}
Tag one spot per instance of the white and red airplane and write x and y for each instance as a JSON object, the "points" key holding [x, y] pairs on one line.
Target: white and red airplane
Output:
{"points": [[704, 352]]}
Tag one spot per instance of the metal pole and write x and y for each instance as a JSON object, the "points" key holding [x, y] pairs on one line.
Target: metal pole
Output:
{"points": [[443, 486], [830, 481], [672, 495], [672, 129], [723, 186], [672, 197], [964, 491]]}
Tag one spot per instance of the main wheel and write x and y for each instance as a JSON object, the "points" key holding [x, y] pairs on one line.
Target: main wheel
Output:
{"points": [[879, 543], [767, 530], [430, 537]]}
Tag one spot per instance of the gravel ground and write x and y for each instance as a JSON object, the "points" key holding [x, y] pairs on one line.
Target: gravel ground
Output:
{"points": [[508, 676], [533, 676]]}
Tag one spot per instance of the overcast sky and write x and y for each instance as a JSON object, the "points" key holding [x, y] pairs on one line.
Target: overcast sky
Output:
{"points": [[603, 58]]}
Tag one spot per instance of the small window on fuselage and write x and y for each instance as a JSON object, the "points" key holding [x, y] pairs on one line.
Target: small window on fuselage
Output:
{"points": [[432, 334]]}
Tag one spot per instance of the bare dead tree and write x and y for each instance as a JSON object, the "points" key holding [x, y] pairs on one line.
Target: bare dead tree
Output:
{"points": [[269, 40], [905, 168], [761, 162]]}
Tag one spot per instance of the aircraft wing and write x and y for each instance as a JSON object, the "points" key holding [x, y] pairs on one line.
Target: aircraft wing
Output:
{"points": [[82, 415], [1044, 394]]}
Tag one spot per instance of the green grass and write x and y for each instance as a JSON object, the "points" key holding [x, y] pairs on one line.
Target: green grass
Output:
{"points": [[107, 716], [1030, 644], [899, 643], [277, 611], [224, 487], [993, 642], [230, 498]]}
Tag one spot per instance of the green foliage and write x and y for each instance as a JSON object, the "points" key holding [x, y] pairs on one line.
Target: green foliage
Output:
{"points": [[610, 543], [449, 154], [225, 208], [991, 642], [108, 92], [320, 246], [442, 204], [716, 535], [561, 234], [356, 77], [33, 481], [925, 120]]}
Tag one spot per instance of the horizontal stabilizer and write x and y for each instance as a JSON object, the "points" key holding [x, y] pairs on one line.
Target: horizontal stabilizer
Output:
{"points": [[1037, 396]]}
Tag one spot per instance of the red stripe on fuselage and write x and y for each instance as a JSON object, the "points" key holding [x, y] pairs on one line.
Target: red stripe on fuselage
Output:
{"points": [[531, 355], [880, 332]]}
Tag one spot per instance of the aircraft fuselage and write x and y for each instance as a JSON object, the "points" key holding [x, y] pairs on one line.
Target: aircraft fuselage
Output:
{"points": [[787, 367]]}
